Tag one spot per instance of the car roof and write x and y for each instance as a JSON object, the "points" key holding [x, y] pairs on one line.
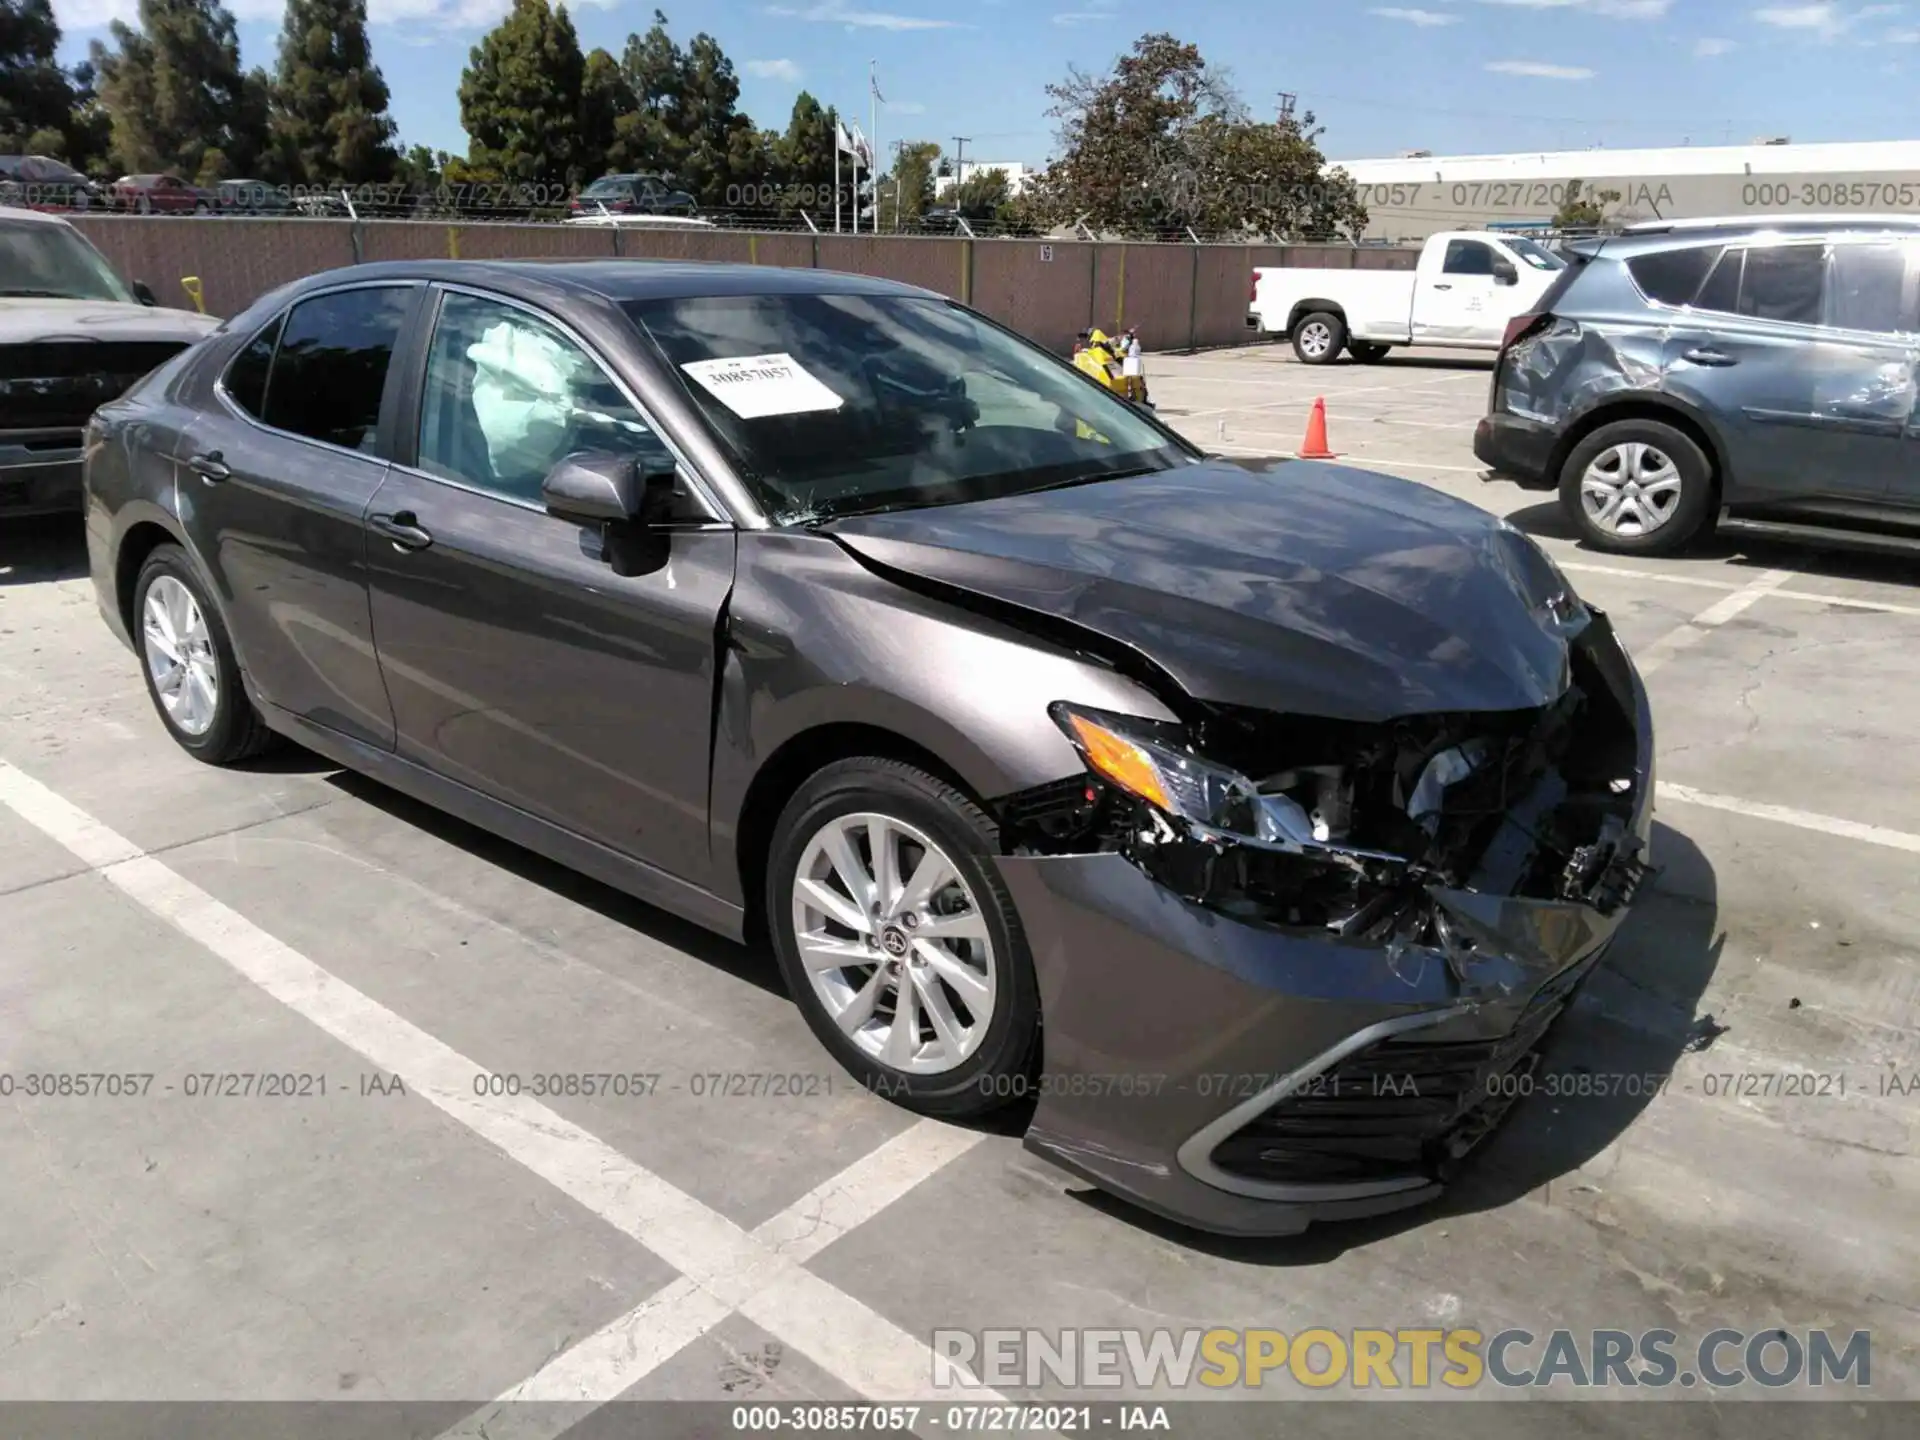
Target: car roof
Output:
{"points": [[1662, 234], [624, 280], [9, 213]]}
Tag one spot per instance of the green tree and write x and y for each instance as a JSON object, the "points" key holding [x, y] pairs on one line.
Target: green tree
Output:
{"points": [[604, 97], [175, 92], [1583, 208], [803, 160], [907, 193], [36, 95], [981, 194], [646, 134], [90, 133], [1163, 143], [708, 120], [329, 100], [520, 97]]}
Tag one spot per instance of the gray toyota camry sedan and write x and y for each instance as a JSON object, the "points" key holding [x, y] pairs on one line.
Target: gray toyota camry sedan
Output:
{"points": [[1251, 822]]}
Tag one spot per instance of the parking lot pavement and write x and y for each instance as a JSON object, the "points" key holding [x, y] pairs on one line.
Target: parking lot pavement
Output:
{"points": [[1745, 1155]]}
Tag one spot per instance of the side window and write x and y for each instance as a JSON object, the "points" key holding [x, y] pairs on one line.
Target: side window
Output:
{"points": [[1673, 277], [1869, 289], [1785, 282], [246, 377], [508, 396], [1722, 291], [331, 367], [1468, 257]]}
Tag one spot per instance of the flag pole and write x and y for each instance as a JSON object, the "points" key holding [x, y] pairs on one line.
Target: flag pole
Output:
{"points": [[836, 174], [873, 138]]}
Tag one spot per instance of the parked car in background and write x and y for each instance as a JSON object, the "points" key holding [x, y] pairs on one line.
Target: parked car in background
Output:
{"points": [[39, 182], [1760, 371], [73, 335], [251, 197], [632, 195], [161, 195], [818, 607], [1461, 293]]}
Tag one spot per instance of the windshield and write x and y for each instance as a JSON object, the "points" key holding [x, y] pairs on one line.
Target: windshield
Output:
{"points": [[1535, 254], [55, 263], [839, 404], [609, 185]]}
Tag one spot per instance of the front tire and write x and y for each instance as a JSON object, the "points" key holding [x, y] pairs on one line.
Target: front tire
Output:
{"points": [[187, 658], [1319, 338], [898, 940], [1638, 487]]}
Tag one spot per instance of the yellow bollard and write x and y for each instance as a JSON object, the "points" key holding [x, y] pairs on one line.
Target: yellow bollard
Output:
{"points": [[453, 243], [191, 284]]}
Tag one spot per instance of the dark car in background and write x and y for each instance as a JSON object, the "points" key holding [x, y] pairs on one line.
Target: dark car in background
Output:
{"points": [[161, 195], [251, 197], [1758, 371], [39, 182], [73, 336], [1217, 804], [632, 195]]}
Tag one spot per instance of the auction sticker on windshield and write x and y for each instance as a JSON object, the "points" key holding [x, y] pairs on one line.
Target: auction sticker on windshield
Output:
{"points": [[755, 386]]}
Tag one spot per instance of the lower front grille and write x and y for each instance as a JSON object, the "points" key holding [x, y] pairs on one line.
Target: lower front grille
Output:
{"points": [[1403, 1106]]}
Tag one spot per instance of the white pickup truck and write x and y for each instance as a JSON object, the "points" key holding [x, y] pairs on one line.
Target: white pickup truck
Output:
{"points": [[1467, 286]]}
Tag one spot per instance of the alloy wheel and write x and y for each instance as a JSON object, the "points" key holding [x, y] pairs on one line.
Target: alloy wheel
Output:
{"points": [[180, 657], [1316, 340], [894, 943], [1630, 489]]}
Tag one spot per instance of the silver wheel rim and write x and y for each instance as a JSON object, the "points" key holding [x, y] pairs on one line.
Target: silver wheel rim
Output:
{"points": [[1315, 340], [894, 943], [179, 655], [1630, 489]]}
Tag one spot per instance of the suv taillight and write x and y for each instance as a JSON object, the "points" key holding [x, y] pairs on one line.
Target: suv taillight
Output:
{"points": [[1520, 327]]}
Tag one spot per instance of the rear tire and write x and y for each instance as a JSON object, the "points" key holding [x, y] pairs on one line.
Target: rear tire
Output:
{"points": [[1638, 487], [1319, 338], [974, 1004], [1368, 352], [187, 659]]}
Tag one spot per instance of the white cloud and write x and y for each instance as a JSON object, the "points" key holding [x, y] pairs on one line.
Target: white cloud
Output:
{"points": [[773, 69], [1709, 46], [835, 12], [77, 15], [1423, 18], [1829, 21], [1614, 9], [1539, 70]]}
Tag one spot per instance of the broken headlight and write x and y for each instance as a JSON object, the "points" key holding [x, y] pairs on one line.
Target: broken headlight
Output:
{"points": [[1155, 763]]}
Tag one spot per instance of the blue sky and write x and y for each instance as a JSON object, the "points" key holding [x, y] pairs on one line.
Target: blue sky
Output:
{"points": [[1443, 75]]}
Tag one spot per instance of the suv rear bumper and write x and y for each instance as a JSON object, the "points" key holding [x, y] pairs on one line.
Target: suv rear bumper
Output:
{"points": [[1517, 449]]}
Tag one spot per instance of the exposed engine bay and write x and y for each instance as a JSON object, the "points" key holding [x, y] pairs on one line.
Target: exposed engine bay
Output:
{"points": [[1305, 822]]}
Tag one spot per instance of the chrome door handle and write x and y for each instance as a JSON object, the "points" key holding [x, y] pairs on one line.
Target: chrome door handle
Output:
{"points": [[403, 529], [1443, 287], [1704, 356], [210, 467]]}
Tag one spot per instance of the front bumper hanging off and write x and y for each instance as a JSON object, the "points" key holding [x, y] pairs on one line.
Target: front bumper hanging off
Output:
{"points": [[1250, 1079]]}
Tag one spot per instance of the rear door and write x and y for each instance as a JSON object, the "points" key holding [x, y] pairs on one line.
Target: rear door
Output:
{"points": [[1455, 302], [274, 480], [520, 662], [1810, 416]]}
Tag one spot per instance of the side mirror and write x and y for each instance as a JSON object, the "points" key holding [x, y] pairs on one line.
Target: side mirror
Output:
{"points": [[594, 485], [1504, 273], [144, 293]]}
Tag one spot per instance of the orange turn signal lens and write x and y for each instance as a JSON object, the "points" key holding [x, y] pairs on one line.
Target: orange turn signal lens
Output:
{"points": [[1119, 760]]}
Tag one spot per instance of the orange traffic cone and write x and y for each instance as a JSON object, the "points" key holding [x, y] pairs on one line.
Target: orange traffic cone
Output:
{"points": [[1314, 447]]}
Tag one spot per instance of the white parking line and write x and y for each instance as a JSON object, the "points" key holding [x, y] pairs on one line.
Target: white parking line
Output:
{"points": [[1689, 633], [1786, 815], [1817, 597], [720, 1260]]}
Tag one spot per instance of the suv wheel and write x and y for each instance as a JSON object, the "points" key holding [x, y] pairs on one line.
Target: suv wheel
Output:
{"points": [[898, 939], [1638, 487], [1319, 338]]}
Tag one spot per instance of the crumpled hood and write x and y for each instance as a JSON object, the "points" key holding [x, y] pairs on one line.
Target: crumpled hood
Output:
{"points": [[1295, 586], [28, 318]]}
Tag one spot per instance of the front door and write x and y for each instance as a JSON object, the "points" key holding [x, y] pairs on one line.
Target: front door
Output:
{"points": [[1457, 304], [520, 663], [274, 481]]}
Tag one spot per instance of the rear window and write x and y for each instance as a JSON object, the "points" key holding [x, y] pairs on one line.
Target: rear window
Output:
{"points": [[1785, 283], [1673, 277], [1870, 288]]}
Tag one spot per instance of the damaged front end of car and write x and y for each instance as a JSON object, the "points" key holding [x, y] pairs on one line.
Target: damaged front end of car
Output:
{"points": [[1373, 926]]}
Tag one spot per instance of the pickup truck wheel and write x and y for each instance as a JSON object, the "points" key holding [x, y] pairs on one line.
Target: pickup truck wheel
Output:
{"points": [[1368, 352], [1638, 487], [1319, 338]]}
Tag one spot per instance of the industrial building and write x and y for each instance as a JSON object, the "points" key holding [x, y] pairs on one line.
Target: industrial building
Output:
{"points": [[1417, 194]]}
